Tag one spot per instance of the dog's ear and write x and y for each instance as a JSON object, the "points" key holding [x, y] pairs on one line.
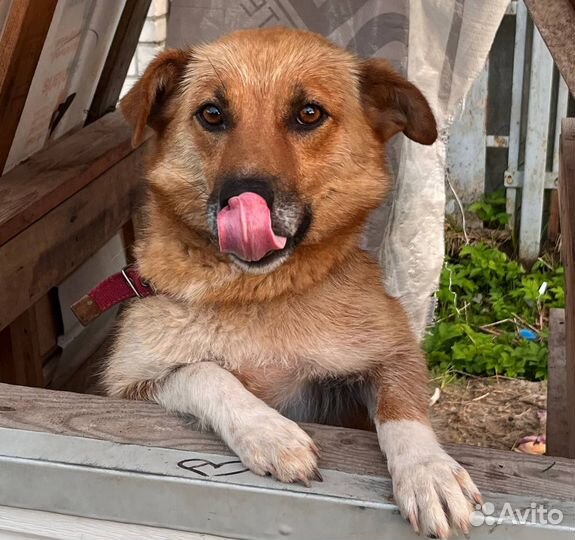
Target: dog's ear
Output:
{"points": [[147, 100], [393, 104]]}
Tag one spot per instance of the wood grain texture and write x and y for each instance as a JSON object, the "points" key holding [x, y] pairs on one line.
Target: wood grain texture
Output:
{"points": [[49, 250], [556, 23], [557, 413], [25, 358], [27, 343], [119, 57], [22, 41], [41, 183], [553, 223], [345, 450], [567, 214]]}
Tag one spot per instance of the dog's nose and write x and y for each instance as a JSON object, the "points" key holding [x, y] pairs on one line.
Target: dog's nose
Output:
{"points": [[233, 186]]}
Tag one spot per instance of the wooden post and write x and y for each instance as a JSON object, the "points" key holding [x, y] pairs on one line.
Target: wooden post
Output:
{"points": [[22, 41], [515, 114], [557, 414], [119, 58], [27, 342], [567, 214], [553, 229], [533, 189]]}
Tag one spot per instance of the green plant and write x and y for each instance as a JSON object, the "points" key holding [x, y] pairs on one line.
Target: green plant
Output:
{"points": [[485, 300], [491, 209]]}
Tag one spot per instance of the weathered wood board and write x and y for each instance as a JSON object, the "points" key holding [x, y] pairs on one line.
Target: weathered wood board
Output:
{"points": [[56, 173], [557, 413], [67, 236], [567, 214], [345, 450], [25, 30]]}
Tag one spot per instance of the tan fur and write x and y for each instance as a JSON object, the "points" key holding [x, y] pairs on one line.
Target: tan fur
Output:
{"points": [[323, 314]]}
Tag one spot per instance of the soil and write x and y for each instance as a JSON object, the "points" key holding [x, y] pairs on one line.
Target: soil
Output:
{"points": [[490, 412]]}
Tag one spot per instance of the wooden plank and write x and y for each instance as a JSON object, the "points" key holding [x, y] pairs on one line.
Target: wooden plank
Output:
{"points": [[554, 228], [344, 450], [532, 196], [556, 23], [67, 236], [25, 348], [54, 174], [557, 414], [567, 213], [119, 58], [48, 328], [22, 40], [516, 106], [27, 343]]}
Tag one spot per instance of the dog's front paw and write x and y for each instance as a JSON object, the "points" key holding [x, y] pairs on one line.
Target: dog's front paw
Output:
{"points": [[272, 444], [434, 493], [432, 490]]}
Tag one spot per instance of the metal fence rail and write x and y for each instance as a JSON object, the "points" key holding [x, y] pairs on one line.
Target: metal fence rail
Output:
{"points": [[215, 494]]}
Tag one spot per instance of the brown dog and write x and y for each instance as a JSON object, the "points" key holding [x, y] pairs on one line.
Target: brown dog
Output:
{"points": [[269, 156]]}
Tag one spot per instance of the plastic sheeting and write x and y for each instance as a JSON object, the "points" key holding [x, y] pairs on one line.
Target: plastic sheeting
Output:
{"points": [[441, 46]]}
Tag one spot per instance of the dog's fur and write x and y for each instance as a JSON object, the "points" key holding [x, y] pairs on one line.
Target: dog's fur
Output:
{"points": [[310, 335]]}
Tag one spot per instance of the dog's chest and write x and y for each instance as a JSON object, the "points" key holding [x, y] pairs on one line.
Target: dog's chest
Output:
{"points": [[293, 339]]}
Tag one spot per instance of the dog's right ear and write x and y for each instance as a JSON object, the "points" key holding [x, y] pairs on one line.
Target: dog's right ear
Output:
{"points": [[146, 102], [393, 104]]}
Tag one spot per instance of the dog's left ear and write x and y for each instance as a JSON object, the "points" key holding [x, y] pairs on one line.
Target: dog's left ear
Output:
{"points": [[393, 104], [147, 101]]}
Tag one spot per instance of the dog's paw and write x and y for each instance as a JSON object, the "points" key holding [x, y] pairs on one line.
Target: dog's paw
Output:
{"points": [[434, 493], [275, 445], [432, 490]]}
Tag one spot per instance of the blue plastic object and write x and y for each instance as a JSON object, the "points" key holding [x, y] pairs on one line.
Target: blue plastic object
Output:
{"points": [[528, 334]]}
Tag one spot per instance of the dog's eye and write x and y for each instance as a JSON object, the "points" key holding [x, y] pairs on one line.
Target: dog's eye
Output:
{"points": [[309, 115], [211, 116]]}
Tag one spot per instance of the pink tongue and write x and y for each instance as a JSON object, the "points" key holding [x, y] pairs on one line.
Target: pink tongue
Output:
{"points": [[245, 228]]}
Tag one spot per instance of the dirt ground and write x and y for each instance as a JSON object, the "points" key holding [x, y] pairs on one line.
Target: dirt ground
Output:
{"points": [[490, 412]]}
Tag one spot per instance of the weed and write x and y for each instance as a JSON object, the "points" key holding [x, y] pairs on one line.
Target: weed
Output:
{"points": [[492, 314]]}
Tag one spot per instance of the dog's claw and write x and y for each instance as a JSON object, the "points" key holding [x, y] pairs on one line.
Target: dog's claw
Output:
{"points": [[412, 518], [317, 475], [304, 481], [439, 535]]}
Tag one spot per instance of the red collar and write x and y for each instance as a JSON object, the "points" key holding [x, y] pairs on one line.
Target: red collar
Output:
{"points": [[113, 290]]}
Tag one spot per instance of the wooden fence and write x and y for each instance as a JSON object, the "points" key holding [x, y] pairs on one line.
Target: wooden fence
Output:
{"points": [[507, 135]]}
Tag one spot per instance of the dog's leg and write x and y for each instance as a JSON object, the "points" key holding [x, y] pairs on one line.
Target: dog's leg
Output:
{"points": [[265, 441], [432, 490]]}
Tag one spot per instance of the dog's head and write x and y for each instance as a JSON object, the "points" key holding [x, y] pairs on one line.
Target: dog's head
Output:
{"points": [[272, 139]]}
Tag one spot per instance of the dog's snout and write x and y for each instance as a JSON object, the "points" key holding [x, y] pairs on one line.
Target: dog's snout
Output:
{"points": [[231, 187]]}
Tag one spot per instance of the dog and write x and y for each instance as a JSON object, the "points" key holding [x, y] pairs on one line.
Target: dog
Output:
{"points": [[269, 156]]}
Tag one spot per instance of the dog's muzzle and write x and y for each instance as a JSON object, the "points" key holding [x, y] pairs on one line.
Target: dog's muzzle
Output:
{"points": [[258, 224]]}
